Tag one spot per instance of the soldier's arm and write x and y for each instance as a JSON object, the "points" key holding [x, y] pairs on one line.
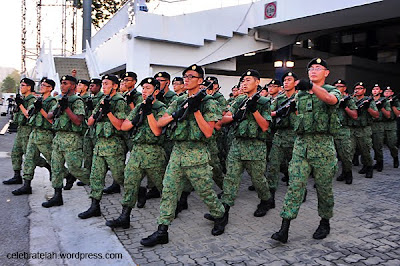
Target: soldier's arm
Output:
{"points": [[23, 110], [261, 121], [396, 111], [206, 127], [165, 120], [153, 125], [352, 113], [372, 110], [324, 95], [117, 123], [227, 118], [385, 112], [76, 119], [45, 115]]}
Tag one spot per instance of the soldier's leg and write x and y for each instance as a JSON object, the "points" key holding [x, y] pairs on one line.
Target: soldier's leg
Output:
{"points": [[32, 152], [275, 159], [324, 170], [88, 152], [117, 166], [133, 178], [377, 144], [391, 139], [299, 171], [218, 175], [256, 171], [97, 176], [58, 170], [365, 144], [234, 171], [74, 161], [172, 187], [17, 151], [156, 174], [200, 176]]}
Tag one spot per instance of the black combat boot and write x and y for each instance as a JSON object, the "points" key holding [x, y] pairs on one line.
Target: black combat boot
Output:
{"points": [[356, 161], [80, 184], [378, 166], [17, 179], [263, 207], [123, 220], [48, 167], [182, 203], [349, 178], [283, 234], [114, 188], [272, 191], [141, 201], [341, 177], [363, 170], [285, 178], [396, 162], [25, 189], [323, 229], [220, 223], [158, 237], [251, 188], [93, 211], [56, 200], [70, 181], [153, 193], [370, 172]]}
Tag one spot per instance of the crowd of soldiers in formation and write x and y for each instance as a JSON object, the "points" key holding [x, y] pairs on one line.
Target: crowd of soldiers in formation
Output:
{"points": [[192, 139]]}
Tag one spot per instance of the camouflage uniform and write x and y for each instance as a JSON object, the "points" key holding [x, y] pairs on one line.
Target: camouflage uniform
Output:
{"points": [[40, 138], [87, 141], [67, 145], [189, 160], [137, 100], [282, 143], [343, 139], [378, 135], [147, 157], [390, 127], [313, 151], [109, 150], [362, 133], [248, 151], [168, 98], [22, 137]]}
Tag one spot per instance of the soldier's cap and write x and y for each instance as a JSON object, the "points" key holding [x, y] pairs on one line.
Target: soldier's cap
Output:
{"points": [[95, 81], [163, 74], [151, 81], [70, 78], [179, 79], [250, 73], [376, 85], [113, 78], [259, 88], [29, 82], [318, 61], [235, 87], [265, 88], [339, 81], [214, 80], [207, 84], [84, 82], [276, 82], [289, 74], [360, 83], [130, 74], [195, 68], [388, 88], [48, 81]]}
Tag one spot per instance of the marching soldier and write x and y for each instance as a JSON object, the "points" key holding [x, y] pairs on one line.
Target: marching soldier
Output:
{"points": [[68, 118], [27, 86], [195, 115], [251, 113], [393, 105], [235, 93], [109, 150], [147, 155], [378, 128], [178, 85], [314, 149], [347, 112], [361, 128], [41, 136]]}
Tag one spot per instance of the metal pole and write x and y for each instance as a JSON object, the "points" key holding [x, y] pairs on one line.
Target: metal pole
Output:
{"points": [[87, 23]]}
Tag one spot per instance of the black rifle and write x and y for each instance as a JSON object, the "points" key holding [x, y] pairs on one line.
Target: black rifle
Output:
{"points": [[129, 95], [240, 114], [361, 103], [99, 114], [285, 108], [34, 110], [137, 121], [59, 109]]}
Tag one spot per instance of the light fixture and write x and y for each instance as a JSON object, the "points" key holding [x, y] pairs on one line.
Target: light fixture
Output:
{"points": [[250, 54], [289, 64], [298, 43], [278, 63]]}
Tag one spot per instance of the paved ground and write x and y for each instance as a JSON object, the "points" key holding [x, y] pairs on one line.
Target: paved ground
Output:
{"points": [[365, 228]]}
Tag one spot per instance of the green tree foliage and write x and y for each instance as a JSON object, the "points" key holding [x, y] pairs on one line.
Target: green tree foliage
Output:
{"points": [[103, 10], [9, 84]]}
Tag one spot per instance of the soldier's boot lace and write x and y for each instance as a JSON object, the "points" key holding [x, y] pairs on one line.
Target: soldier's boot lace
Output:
{"points": [[123, 220], [56, 200], [323, 229], [153, 193], [25, 189], [158, 237], [114, 188], [17, 179], [70, 182], [141, 197], [283, 234], [370, 172], [93, 211], [263, 207], [220, 223]]}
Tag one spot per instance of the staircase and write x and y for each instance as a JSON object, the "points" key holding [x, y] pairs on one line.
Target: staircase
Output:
{"points": [[64, 66]]}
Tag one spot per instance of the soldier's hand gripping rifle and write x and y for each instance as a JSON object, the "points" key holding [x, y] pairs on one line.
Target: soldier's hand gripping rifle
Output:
{"points": [[343, 102], [379, 103], [62, 105], [250, 104], [37, 105], [144, 110], [364, 103], [285, 108], [18, 102], [393, 100], [131, 95], [104, 109]]}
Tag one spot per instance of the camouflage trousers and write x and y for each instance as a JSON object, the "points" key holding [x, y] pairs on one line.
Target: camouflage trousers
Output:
{"points": [[88, 146], [391, 137], [300, 169], [39, 143], [344, 148], [67, 148], [19, 149], [362, 139], [200, 177], [215, 163], [240, 157]]}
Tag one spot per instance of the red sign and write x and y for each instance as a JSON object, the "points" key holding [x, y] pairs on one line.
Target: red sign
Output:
{"points": [[270, 10]]}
